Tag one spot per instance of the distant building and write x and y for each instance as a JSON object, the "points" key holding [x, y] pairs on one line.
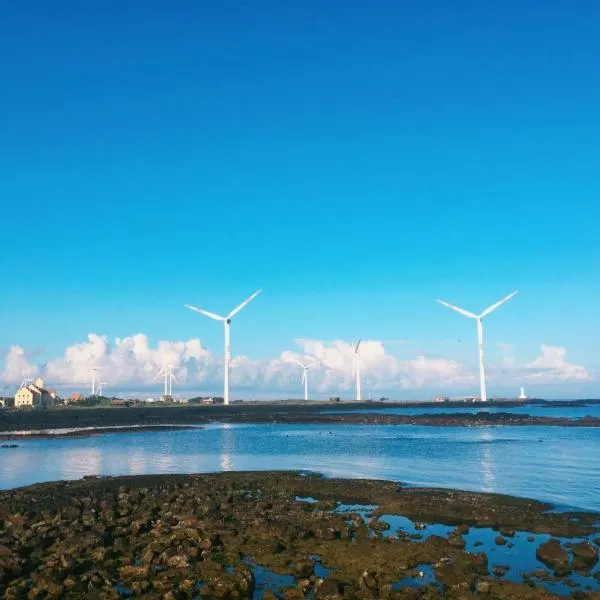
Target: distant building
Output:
{"points": [[441, 399], [34, 395], [75, 397], [119, 402]]}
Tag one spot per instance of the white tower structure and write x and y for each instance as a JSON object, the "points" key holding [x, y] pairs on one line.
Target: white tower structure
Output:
{"points": [[356, 368], [305, 369], [167, 373], [226, 322], [94, 388], [478, 319], [100, 388], [522, 395]]}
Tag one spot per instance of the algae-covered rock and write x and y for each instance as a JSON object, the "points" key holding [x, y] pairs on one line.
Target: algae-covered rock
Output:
{"points": [[553, 555], [585, 556]]}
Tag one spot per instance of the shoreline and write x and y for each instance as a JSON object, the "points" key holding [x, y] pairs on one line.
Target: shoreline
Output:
{"points": [[78, 418], [44, 434], [195, 534]]}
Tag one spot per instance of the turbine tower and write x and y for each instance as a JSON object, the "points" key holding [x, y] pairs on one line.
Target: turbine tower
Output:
{"points": [[94, 390], [167, 373], [305, 369], [478, 319], [226, 322], [356, 368], [100, 388]]}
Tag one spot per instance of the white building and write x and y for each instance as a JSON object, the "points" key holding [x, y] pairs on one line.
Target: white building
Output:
{"points": [[34, 395]]}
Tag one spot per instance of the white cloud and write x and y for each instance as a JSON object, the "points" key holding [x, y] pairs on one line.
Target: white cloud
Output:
{"points": [[131, 363], [17, 366], [552, 366], [507, 352]]}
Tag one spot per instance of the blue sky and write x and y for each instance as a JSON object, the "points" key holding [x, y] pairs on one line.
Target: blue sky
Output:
{"points": [[355, 160]]}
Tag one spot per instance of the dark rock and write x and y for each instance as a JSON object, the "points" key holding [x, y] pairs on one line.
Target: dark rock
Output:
{"points": [[303, 568], [368, 582], [500, 541], [330, 589], [585, 556], [278, 547], [553, 555], [507, 532], [500, 570]]}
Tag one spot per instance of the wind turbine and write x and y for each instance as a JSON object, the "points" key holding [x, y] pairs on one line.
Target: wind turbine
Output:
{"points": [[167, 373], [478, 318], [356, 367], [226, 322], [94, 390], [26, 380], [100, 388], [305, 369]]}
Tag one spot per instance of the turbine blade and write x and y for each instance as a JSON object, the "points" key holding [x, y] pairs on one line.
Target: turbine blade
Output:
{"points": [[174, 378], [235, 311], [300, 364], [312, 364], [493, 307], [357, 345], [304, 376], [205, 312], [462, 311]]}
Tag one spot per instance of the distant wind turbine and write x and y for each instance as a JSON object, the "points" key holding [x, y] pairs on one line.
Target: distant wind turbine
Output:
{"points": [[226, 322], [94, 390], [478, 319], [305, 369], [356, 367], [167, 373], [26, 380], [100, 388]]}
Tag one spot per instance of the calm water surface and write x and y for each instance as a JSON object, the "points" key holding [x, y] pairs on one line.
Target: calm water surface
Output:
{"points": [[560, 465]]}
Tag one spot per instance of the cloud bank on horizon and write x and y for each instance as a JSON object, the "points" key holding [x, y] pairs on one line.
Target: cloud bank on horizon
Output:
{"points": [[131, 363]]}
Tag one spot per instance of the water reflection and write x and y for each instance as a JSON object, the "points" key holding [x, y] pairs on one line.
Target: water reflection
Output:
{"points": [[548, 463], [227, 447], [487, 461]]}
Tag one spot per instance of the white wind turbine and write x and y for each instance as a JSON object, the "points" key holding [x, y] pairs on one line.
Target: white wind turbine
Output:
{"points": [[100, 388], [26, 380], [305, 369], [94, 390], [167, 372], [478, 319], [226, 322], [356, 367]]}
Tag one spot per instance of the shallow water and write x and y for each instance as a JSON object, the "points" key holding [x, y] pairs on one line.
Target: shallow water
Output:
{"points": [[517, 557], [556, 464]]}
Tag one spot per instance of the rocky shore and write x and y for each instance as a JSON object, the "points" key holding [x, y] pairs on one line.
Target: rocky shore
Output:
{"points": [[279, 535], [272, 412]]}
